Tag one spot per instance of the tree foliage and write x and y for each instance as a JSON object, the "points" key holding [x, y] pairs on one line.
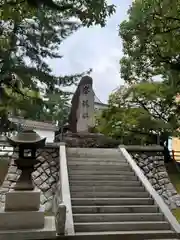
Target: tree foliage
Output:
{"points": [[151, 41], [89, 12], [31, 35], [54, 107], [131, 126], [139, 113], [151, 62]]}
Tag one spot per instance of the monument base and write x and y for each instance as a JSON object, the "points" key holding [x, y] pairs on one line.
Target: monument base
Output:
{"points": [[88, 140]]}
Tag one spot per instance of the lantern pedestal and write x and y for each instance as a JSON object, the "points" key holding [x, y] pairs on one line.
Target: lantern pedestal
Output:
{"points": [[22, 211], [24, 218], [23, 200]]}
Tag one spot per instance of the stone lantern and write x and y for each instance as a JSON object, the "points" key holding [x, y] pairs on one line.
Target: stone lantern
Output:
{"points": [[22, 216], [27, 142]]}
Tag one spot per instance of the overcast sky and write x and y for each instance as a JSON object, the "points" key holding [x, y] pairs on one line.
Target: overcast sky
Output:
{"points": [[96, 48]]}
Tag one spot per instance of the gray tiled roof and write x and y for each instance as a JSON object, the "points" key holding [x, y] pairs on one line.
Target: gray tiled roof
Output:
{"points": [[97, 101], [30, 124]]}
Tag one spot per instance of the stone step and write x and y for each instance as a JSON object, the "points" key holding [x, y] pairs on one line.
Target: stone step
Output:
{"points": [[116, 209], [105, 188], [98, 163], [121, 226], [111, 201], [94, 152], [104, 183], [95, 159], [100, 172], [128, 235], [93, 166], [117, 217], [109, 194], [102, 177]]}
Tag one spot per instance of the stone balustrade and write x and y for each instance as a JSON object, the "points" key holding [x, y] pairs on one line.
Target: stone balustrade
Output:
{"points": [[164, 209]]}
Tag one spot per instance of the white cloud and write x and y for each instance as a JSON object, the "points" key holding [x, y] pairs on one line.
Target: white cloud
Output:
{"points": [[96, 48]]}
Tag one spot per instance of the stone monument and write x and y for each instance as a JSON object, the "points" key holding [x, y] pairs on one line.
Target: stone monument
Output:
{"points": [[82, 120], [22, 214], [82, 111]]}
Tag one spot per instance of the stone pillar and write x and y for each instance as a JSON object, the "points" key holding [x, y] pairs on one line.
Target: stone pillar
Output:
{"points": [[85, 111], [82, 110]]}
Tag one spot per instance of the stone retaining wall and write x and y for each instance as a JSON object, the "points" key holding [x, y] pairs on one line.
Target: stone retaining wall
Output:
{"points": [[45, 177], [151, 161]]}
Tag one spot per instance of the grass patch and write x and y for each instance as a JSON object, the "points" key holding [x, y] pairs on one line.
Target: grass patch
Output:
{"points": [[174, 176], [176, 213], [3, 170], [175, 179]]}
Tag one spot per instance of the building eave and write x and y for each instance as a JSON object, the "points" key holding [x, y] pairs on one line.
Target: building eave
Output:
{"points": [[30, 124]]}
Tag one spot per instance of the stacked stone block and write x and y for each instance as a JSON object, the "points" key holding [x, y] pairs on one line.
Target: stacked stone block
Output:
{"points": [[153, 166]]}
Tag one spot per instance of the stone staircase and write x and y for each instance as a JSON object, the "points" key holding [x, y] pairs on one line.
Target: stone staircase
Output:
{"points": [[108, 198]]}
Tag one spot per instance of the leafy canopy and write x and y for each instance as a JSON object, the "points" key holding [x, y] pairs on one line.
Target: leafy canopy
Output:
{"points": [[151, 62], [139, 114], [151, 41], [29, 37], [89, 12]]}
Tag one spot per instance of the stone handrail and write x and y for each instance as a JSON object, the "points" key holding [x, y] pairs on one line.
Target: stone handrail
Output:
{"points": [[158, 200], [63, 212]]}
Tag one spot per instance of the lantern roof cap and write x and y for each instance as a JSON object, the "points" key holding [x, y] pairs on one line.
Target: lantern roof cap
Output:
{"points": [[27, 137]]}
